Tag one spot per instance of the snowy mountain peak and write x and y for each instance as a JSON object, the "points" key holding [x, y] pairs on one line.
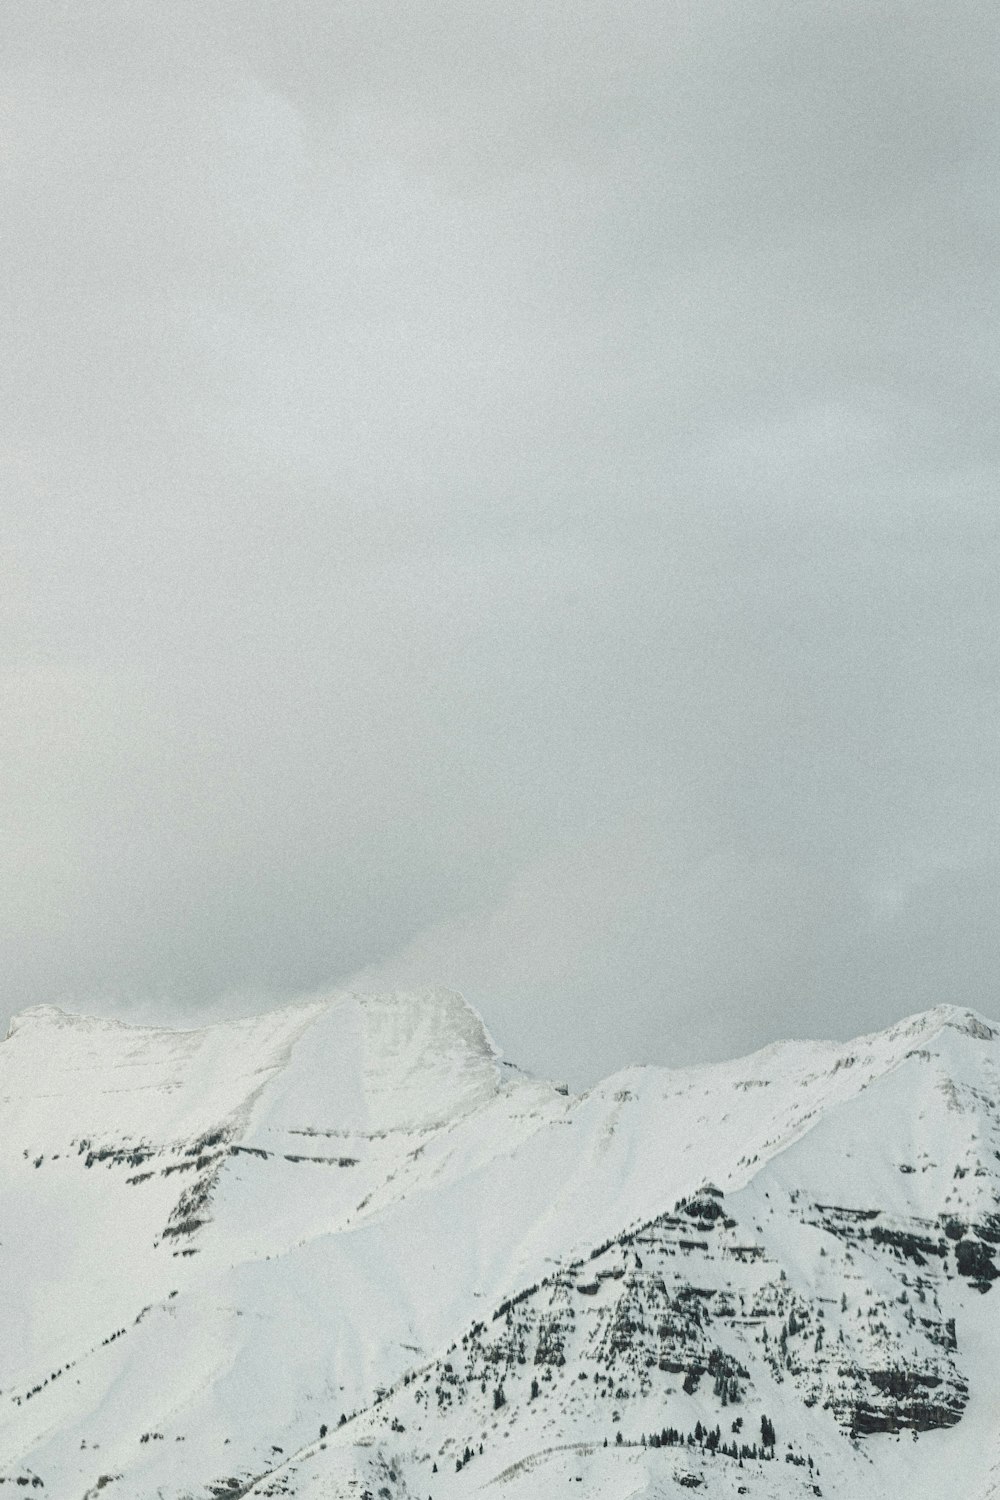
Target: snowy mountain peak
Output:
{"points": [[383, 1057], [957, 1018], [341, 1250], [32, 1014]]}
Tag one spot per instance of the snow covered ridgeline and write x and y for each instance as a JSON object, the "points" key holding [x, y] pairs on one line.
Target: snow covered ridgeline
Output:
{"points": [[352, 1218]]}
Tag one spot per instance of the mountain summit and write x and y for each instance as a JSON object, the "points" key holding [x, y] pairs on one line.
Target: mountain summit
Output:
{"points": [[345, 1250]]}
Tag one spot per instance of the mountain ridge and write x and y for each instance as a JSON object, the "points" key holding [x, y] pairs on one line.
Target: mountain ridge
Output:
{"points": [[236, 1234]]}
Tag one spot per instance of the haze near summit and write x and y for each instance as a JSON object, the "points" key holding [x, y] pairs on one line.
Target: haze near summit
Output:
{"points": [[505, 497]]}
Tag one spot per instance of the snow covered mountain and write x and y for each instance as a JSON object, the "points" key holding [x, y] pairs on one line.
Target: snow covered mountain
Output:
{"points": [[344, 1250]]}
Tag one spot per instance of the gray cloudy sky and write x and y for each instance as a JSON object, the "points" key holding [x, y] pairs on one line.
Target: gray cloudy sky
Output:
{"points": [[506, 496]]}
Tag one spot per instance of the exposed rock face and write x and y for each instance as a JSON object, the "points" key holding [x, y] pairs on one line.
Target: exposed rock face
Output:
{"points": [[345, 1250]]}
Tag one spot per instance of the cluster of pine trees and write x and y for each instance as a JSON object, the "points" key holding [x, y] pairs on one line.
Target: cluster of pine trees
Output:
{"points": [[710, 1440], [509, 1302], [467, 1457]]}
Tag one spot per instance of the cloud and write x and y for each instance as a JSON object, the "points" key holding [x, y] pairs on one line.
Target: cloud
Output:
{"points": [[501, 495]]}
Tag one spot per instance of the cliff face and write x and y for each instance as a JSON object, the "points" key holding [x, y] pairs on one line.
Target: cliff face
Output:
{"points": [[769, 1277]]}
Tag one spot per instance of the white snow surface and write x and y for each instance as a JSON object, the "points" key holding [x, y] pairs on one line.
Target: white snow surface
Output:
{"points": [[352, 1217]]}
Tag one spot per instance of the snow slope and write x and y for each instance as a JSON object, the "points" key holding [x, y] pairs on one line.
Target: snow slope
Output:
{"points": [[346, 1250]]}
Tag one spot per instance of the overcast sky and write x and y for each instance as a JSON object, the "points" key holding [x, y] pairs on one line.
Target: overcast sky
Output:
{"points": [[502, 495]]}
